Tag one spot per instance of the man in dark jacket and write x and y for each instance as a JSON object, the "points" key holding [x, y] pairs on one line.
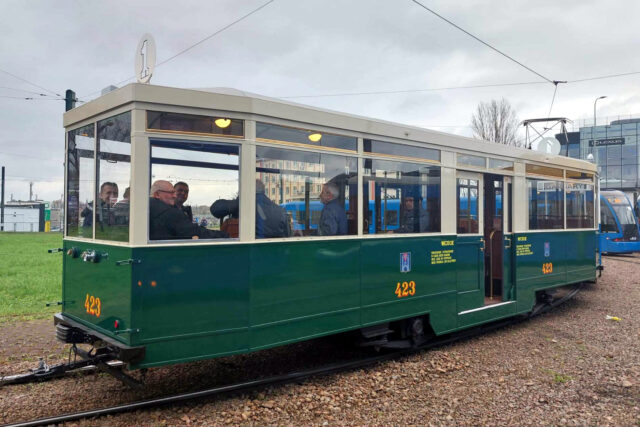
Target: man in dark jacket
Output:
{"points": [[166, 222], [413, 217], [333, 219], [271, 219], [182, 194]]}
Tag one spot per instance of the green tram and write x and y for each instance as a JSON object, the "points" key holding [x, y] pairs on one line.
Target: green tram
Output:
{"points": [[437, 232]]}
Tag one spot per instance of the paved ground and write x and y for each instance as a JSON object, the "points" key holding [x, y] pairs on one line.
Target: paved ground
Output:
{"points": [[572, 366]]}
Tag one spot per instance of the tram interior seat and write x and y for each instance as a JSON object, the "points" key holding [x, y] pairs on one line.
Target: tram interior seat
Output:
{"points": [[230, 226], [467, 226]]}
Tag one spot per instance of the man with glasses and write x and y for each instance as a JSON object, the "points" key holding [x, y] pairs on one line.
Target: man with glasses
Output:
{"points": [[167, 223]]}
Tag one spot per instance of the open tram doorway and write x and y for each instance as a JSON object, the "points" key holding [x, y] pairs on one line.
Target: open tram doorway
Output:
{"points": [[495, 202]]}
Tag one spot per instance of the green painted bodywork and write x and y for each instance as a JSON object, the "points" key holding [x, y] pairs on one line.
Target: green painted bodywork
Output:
{"points": [[222, 299]]}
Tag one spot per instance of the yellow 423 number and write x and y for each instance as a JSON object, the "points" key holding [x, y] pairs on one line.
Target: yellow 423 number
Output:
{"points": [[547, 268], [93, 305], [406, 289]]}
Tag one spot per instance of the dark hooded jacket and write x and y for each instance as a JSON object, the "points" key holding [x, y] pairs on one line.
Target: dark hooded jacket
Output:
{"points": [[167, 222]]}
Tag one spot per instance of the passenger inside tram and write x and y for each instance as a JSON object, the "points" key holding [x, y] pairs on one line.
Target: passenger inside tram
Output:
{"points": [[106, 214], [333, 218], [166, 222], [271, 219], [182, 194], [414, 218]]}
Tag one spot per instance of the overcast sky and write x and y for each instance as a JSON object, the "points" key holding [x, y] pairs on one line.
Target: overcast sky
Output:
{"points": [[314, 47]]}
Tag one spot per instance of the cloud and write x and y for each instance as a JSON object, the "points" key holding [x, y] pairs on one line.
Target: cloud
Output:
{"points": [[314, 47]]}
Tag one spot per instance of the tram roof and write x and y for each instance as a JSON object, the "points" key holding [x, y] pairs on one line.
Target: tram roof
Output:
{"points": [[262, 108]]}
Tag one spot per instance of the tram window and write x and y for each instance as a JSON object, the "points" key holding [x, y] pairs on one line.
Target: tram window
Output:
{"points": [[80, 181], [607, 221], [475, 161], [381, 147], [580, 208], [546, 204], [544, 170], [190, 123], [114, 174], [401, 197], [269, 132], [211, 172], [326, 203], [467, 202], [579, 175], [503, 165]]}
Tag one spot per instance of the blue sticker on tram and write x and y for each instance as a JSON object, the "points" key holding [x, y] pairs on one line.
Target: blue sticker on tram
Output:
{"points": [[405, 262], [547, 249]]}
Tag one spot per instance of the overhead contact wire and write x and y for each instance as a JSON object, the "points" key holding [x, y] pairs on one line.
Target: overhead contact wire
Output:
{"points": [[31, 83], [197, 43], [481, 41]]}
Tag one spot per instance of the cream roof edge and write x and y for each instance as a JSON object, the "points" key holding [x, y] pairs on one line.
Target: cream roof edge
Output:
{"points": [[234, 100]]}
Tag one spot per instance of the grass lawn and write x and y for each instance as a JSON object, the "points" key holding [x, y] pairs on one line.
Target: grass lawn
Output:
{"points": [[29, 276]]}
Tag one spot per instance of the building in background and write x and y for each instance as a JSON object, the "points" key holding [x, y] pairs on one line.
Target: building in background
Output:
{"points": [[614, 148], [27, 216]]}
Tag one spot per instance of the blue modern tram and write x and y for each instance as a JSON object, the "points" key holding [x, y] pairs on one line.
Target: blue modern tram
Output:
{"points": [[619, 232]]}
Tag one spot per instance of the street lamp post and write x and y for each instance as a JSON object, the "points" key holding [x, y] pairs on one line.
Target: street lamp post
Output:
{"points": [[594, 108]]}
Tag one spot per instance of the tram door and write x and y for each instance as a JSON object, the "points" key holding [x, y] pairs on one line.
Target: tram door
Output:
{"points": [[470, 244], [496, 214]]}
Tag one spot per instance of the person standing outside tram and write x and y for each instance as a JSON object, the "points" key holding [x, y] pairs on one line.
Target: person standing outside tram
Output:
{"points": [[333, 218]]}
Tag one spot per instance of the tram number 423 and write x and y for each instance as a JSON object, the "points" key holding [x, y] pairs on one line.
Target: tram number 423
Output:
{"points": [[93, 305], [547, 268], [405, 289]]}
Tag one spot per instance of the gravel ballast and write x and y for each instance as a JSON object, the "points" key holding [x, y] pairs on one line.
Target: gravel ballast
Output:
{"points": [[571, 366]]}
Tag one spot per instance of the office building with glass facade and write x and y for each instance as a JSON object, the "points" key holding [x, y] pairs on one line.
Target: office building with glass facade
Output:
{"points": [[615, 150]]}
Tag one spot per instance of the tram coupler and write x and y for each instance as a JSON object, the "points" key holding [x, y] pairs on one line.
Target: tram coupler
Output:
{"points": [[45, 372]]}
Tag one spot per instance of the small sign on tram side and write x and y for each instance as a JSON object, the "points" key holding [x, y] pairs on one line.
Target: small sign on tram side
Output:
{"points": [[145, 61], [405, 262]]}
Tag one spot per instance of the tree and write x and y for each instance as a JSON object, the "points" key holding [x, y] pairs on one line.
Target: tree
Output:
{"points": [[495, 121]]}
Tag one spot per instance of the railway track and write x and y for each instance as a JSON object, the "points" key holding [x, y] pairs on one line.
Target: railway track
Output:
{"points": [[299, 375]]}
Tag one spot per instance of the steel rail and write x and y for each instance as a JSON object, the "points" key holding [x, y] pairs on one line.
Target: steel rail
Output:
{"points": [[299, 375]]}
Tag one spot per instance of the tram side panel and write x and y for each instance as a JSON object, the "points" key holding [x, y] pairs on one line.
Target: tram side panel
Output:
{"points": [[191, 302], [407, 277], [96, 292], [305, 289], [550, 259]]}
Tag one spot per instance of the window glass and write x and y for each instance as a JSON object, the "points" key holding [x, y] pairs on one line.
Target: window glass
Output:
{"points": [[614, 153], [500, 164], [588, 176], [607, 221], [80, 181], [190, 123], [401, 197], [544, 170], [381, 147], [614, 176], [325, 199], [629, 175], [574, 151], [114, 174], [629, 155], [580, 208], [546, 204], [467, 160], [188, 178], [624, 213], [467, 203], [269, 132]]}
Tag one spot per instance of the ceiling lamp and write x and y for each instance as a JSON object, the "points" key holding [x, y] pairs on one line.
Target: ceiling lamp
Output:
{"points": [[222, 123], [315, 137]]}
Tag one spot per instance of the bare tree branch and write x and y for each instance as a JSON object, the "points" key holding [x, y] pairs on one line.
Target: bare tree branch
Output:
{"points": [[496, 122]]}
